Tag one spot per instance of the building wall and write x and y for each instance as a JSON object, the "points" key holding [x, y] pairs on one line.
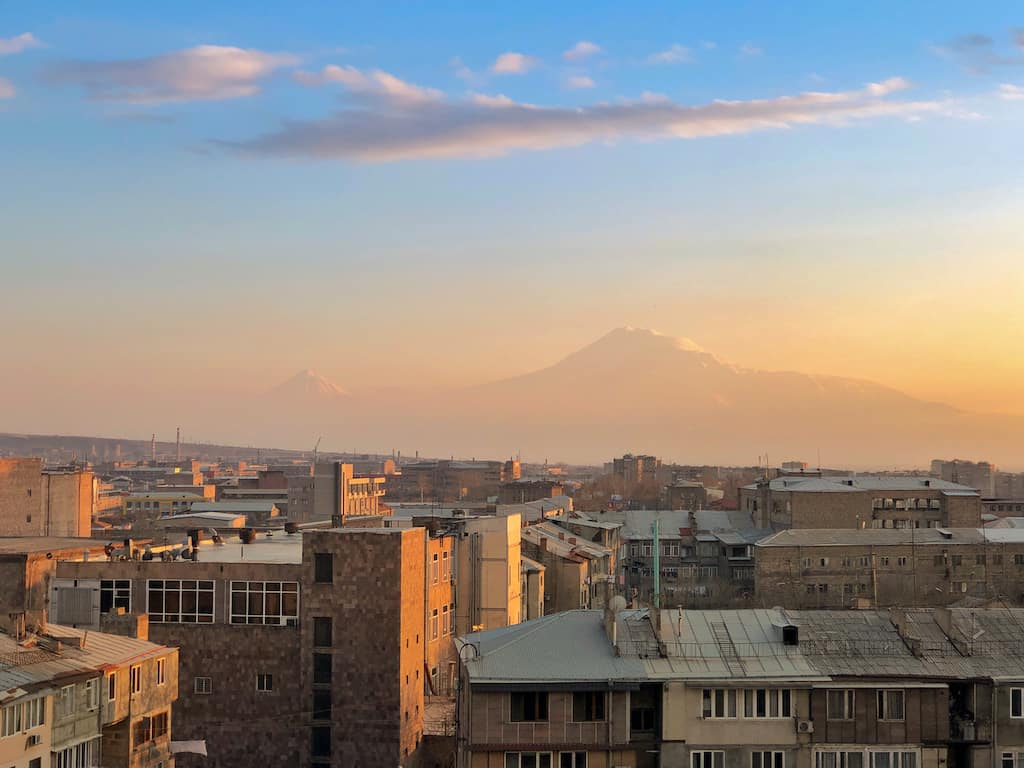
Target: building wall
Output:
{"points": [[15, 751], [440, 597], [66, 505], [488, 583], [926, 717], [20, 493]]}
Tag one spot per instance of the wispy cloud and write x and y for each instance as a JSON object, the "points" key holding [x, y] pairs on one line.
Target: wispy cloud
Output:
{"points": [[374, 82], [206, 72], [512, 63], [577, 82], [377, 129], [19, 43], [674, 54], [462, 71], [7, 89], [749, 49], [1010, 92], [582, 50], [979, 53]]}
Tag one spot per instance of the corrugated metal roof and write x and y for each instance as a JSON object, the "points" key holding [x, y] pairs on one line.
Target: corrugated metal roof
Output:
{"points": [[863, 537], [840, 484]]}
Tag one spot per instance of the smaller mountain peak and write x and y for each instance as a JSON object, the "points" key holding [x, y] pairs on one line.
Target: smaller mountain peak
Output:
{"points": [[310, 383], [630, 335]]}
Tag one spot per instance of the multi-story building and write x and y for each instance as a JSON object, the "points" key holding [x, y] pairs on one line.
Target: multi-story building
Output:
{"points": [[1003, 507], [146, 506], [745, 689], [74, 698], [45, 502], [577, 571], [339, 493], [860, 502], [684, 494], [449, 480], [636, 469], [980, 475], [330, 639], [819, 568], [522, 491]]}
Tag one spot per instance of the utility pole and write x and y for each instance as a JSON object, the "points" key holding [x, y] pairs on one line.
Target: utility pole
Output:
{"points": [[657, 566]]}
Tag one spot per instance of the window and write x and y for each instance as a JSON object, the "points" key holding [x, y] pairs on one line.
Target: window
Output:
{"points": [[435, 569], [65, 702], [114, 594], [838, 759], [529, 707], [264, 682], [322, 668], [719, 702], [135, 678], [979, 559], [884, 562], [588, 706], [92, 694], [762, 703], [1017, 703], [320, 741], [321, 705], [112, 686], [957, 560], [446, 567], [160, 724], [864, 561], [901, 562], [265, 602], [451, 618], [893, 759], [23, 716], [528, 760], [647, 548], [323, 568], [433, 624], [185, 601], [161, 671], [35, 713], [203, 685], [767, 759], [1013, 760], [1018, 559], [840, 704], [572, 760], [323, 631], [85, 754], [890, 705], [444, 620], [707, 759], [641, 719]]}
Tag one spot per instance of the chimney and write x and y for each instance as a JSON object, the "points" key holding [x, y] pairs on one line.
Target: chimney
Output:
{"points": [[177, 445], [561, 536]]}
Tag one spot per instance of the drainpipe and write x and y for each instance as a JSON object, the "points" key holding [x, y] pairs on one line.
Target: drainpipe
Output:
{"points": [[657, 567]]}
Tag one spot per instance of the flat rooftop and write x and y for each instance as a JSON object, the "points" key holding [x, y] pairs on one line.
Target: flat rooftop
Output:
{"points": [[21, 545], [865, 537]]}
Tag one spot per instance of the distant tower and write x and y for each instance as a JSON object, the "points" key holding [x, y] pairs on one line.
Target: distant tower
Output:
{"points": [[177, 446], [152, 448]]}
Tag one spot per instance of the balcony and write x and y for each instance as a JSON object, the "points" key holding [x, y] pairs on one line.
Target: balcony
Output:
{"points": [[966, 730]]}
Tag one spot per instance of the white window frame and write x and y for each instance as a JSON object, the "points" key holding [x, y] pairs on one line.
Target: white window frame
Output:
{"points": [[882, 701], [135, 679], [260, 591], [842, 758], [767, 758], [897, 758], [92, 694], [184, 587], [202, 685], [1012, 760], [849, 696], [161, 671], [64, 702], [112, 686], [264, 682], [515, 759]]}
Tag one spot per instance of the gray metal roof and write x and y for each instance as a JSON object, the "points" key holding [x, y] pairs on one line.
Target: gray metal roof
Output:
{"points": [[869, 537], [638, 523], [230, 504], [860, 483]]}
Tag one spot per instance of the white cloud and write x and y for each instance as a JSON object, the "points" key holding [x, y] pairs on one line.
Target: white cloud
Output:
{"points": [[708, 45], [749, 49], [7, 89], [675, 53], [462, 71], [886, 87], [579, 81], [512, 63], [582, 50], [1010, 92], [374, 82], [377, 129], [19, 43], [206, 72]]}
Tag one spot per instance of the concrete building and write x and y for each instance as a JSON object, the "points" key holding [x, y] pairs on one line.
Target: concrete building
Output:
{"points": [[577, 571], [339, 629], [85, 699], [522, 491], [980, 475], [684, 494], [147, 506], [531, 589], [860, 502], [338, 493], [450, 480], [41, 502], [258, 514], [745, 689], [819, 568], [636, 469]]}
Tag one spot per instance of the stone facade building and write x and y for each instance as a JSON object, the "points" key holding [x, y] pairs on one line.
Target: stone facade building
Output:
{"points": [[42, 502], [860, 502]]}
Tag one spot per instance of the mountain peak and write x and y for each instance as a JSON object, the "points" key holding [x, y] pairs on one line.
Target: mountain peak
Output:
{"points": [[309, 383], [627, 334]]}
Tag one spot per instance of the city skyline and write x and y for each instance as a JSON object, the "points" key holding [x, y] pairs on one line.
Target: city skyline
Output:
{"points": [[265, 193]]}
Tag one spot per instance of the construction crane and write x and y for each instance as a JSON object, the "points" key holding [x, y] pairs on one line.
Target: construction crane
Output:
{"points": [[315, 447]]}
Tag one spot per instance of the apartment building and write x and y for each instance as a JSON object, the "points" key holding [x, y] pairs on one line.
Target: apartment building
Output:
{"points": [[636, 469], [449, 480], [338, 494], [576, 571], [74, 698], [745, 689], [330, 639], [927, 567], [146, 506], [35, 501], [860, 502]]}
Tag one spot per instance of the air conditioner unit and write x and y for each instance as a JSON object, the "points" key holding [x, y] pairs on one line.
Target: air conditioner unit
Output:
{"points": [[805, 726], [33, 740]]}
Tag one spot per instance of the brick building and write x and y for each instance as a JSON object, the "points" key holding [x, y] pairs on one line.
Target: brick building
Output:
{"points": [[45, 502], [860, 502], [819, 568], [449, 480]]}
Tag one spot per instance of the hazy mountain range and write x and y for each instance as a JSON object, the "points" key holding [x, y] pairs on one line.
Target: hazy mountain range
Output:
{"points": [[636, 390]]}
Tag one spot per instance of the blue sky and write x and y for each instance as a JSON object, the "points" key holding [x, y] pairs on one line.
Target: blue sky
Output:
{"points": [[277, 187]]}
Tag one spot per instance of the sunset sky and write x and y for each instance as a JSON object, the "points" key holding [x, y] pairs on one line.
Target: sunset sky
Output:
{"points": [[211, 198]]}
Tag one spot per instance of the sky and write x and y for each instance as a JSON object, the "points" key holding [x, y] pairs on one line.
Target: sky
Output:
{"points": [[210, 197]]}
